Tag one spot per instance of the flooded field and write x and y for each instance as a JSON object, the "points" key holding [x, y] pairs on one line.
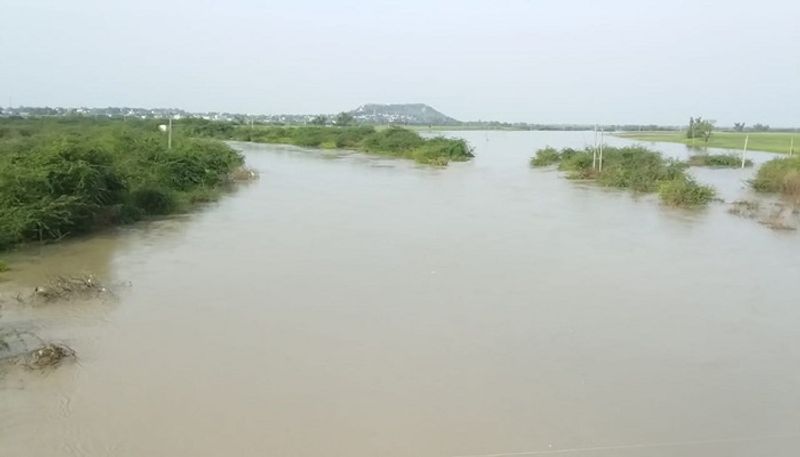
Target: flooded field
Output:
{"points": [[345, 305]]}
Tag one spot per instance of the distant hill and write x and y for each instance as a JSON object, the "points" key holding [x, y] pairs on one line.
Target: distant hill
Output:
{"points": [[408, 113]]}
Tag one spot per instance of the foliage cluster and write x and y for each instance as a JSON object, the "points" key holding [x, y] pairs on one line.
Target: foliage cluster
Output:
{"points": [[718, 161], [779, 175], [60, 177], [700, 128], [633, 167], [392, 141]]}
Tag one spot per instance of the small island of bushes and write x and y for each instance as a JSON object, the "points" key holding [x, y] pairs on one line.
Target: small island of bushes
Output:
{"points": [[780, 175], [391, 141], [634, 167]]}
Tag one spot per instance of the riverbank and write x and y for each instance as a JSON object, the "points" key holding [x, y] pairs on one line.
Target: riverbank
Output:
{"points": [[759, 141], [63, 177]]}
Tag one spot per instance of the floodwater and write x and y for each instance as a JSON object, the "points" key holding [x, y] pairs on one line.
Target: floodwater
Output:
{"points": [[344, 305]]}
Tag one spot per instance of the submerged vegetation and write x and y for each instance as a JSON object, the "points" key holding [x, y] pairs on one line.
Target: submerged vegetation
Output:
{"points": [[392, 141], [60, 177], [780, 176], [634, 167], [775, 215], [718, 161]]}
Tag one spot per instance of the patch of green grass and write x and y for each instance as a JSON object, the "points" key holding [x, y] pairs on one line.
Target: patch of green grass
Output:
{"points": [[685, 192], [3, 266], [718, 161], [759, 141], [780, 176], [635, 168]]}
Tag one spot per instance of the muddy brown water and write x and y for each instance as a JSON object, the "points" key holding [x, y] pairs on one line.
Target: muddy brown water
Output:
{"points": [[351, 306]]}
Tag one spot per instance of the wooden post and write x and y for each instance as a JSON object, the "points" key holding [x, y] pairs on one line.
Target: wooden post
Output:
{"points": [[169, 135], [791, 147], [744, 151], [594, 151], [600, 161]]}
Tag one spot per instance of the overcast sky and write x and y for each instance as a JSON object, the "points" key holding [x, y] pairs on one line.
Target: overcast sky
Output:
{"points": [[582, 61]]}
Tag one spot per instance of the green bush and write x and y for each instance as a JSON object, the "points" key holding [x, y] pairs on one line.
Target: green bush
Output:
{"points": [[633, 167], [684, 192], [65, 176], [718, 161], [392, 141], [780, 175], [546, 156], [351, 137], [439, 151], [154, 201], [636, 168], [3, 266]]}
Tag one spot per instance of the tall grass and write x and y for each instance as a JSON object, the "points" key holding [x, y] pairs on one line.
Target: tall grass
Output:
{"points": [[634, 167], [70, 176], [781, 176]]}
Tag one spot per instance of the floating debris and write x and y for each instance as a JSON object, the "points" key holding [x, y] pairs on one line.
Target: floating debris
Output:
{"points": [[26, 349], [65, 288], [49, 355], [242, 174], [779, 219], [777, 216], [745, 208]]}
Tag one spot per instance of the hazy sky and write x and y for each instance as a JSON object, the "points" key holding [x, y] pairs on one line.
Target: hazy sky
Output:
{"points": [[583, 61]]}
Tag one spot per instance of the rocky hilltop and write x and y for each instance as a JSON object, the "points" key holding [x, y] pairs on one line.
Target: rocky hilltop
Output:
{"points": [[410, 113]]}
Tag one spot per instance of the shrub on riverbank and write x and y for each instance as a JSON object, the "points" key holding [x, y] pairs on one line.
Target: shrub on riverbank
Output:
{"points": [[718, 161], [781, 176], [545, 157], [70, 176], [633, 167], [685, 192]]}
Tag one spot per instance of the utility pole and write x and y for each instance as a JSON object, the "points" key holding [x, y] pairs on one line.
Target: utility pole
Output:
{"points": [[602, 139], [744, 151], [169, 134], [594, 151]]}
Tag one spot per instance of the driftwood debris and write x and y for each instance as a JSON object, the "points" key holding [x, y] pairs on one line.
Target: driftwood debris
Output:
{"points": [[27, 349]]}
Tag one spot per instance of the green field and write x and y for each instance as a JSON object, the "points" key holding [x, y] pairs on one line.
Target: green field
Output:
{"points": [[759, 141]]}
